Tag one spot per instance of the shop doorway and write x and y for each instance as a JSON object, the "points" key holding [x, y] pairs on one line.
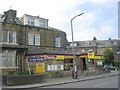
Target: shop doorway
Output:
{"points": [[67, 64], [84, 64]]}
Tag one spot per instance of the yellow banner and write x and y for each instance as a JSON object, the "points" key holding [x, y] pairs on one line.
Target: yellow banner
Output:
{"points": [[54, 57], [40, 68], [83, 56], [98, 57], [91, 55], [67, 57], [59, 57]]}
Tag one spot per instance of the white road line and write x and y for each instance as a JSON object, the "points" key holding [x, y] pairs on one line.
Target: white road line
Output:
{"points": [[106, 83]]}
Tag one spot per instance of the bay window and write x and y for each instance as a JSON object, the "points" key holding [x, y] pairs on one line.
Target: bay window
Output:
{"points": [[8, 58]]}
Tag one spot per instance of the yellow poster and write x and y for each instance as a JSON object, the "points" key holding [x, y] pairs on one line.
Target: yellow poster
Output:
{"points": [[91, 55], [40, 68]]}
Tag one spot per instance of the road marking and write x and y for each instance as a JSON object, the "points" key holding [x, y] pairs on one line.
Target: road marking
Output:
{"points": [[106, 83]]}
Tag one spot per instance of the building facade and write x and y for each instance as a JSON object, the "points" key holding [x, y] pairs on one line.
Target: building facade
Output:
{"points": [[97, 46], [21, 35]]}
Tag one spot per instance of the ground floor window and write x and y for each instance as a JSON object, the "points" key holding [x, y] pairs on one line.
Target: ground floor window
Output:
{"points": [[8, 58], [54, 65]]}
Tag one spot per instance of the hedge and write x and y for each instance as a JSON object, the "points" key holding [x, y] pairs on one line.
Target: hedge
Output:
{"points": [[23, 79]]}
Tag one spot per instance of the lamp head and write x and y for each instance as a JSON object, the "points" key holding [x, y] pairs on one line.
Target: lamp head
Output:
{"points": [[80, 14]]}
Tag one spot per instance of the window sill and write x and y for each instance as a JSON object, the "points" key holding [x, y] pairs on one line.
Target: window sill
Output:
{"points": [[12, 67]]}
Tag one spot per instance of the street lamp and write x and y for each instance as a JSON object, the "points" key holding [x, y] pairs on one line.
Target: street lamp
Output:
{"points": [[73, 37]]}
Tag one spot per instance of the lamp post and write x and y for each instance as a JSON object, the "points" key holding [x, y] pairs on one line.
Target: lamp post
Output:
{"points": [[73, 51]]}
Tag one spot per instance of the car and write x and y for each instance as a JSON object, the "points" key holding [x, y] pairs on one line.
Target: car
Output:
{"points": [[110, 67]]}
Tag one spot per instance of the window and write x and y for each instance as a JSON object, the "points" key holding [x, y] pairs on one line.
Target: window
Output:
{"points": [[33, 39], [12, 37], [3, 61], [37, 39], [5, 36], [8, 58], [9, 37], [11, 58], [87, 43], [74, 44], [54, 67], [30, 39], [42, 23], [31, 21], [57, 42]]}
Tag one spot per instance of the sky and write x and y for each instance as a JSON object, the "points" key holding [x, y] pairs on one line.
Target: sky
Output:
{"points": [[100, 18]]}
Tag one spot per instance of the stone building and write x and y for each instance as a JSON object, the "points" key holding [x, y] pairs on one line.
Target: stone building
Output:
{"points": [[96, 46], [19, 36]]}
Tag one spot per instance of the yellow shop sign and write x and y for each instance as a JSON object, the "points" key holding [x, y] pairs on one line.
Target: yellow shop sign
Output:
{"points": [[59, 57], [91, 55], [40, 68], [98, 57], [54, 57]]}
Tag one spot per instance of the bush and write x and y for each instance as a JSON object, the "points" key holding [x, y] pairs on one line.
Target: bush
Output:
{"points": [[117, 64]]}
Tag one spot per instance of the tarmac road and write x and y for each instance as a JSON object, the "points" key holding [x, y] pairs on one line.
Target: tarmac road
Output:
{"points": [[107, 82]]}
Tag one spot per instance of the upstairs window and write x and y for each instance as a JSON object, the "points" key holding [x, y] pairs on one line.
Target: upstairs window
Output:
{"points": [[31, 21], [57, 42], [37, 39], [33, 39], [9, 37], [73, 44], [30, 39], [42, 23]]}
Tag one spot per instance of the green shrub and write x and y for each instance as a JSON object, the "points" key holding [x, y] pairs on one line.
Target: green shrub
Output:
{"points": [[24, 79], [27, 73], [117, 64]]}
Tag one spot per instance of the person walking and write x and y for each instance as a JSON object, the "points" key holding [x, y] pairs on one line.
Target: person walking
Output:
{"points": [[75, 70]]}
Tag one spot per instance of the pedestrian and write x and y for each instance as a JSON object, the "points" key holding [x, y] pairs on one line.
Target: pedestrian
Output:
{"points": [[72, 72], [76, 71]]}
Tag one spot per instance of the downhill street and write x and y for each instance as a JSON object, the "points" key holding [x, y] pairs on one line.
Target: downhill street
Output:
{"points": [[107, 82]]}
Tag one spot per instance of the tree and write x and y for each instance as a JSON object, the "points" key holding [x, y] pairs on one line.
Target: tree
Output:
{"points": [[108, 56], [94, 38]]}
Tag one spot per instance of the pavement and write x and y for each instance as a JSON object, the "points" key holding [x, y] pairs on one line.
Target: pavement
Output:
{"points": [[59, 81]]}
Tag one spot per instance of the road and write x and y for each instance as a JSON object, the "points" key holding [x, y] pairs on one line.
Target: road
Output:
{"points": [[107, 82]]}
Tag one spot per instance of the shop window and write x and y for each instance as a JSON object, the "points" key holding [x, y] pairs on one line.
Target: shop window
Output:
{"points": [[54, 67]]}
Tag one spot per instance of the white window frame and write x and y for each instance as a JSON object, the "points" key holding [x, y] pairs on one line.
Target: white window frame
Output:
{"points": [[31, 21], [37, 39], [30, 39], [7, 58], [33, 39], [14, 40]]}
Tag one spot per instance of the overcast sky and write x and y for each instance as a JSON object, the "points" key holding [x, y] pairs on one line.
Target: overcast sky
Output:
{"points": [[100, 18]]}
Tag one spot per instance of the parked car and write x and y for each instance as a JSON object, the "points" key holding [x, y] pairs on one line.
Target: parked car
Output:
{"points": [[110, 67]]}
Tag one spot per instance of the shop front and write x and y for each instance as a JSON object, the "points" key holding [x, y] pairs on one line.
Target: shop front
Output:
{"points": [[36, 64], [54, 62], [68, 62]]}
